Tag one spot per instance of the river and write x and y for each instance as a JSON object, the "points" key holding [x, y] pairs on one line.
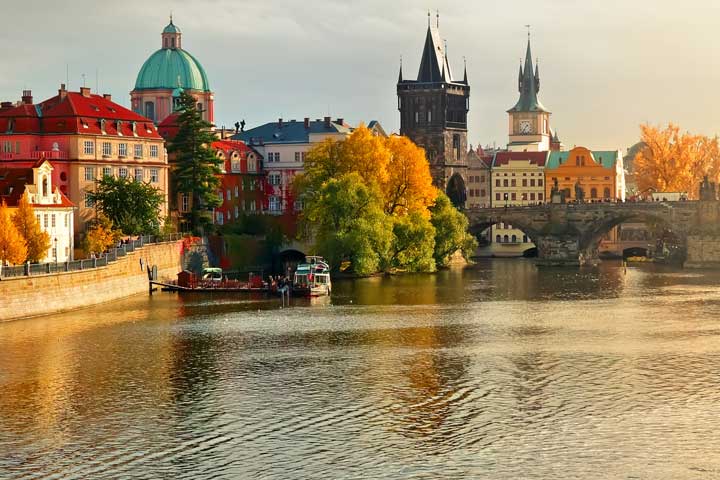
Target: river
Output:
{"points": [[501, 370]]}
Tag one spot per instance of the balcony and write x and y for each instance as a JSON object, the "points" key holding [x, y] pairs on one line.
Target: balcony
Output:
{"points": [[48, 155]]}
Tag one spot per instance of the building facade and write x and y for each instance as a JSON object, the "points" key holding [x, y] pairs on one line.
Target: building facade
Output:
{"points": [[243, 182], [517, 179], [164, 74], [529, 120], [599, 174], [283, 146], [85, 136], [433, 114], [478, 186], [54, 211]]}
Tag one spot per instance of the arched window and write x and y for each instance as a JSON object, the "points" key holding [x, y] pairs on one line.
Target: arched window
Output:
{"points": [[45, 187], [150, 110], [506, 239], [525, 239], [593, 193], [173, 43], [498, 239], [606, 193], [514, 239]]}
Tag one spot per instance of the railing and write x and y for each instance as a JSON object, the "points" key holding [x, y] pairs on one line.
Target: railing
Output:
{"points": [[112, 255], [48, 155]]}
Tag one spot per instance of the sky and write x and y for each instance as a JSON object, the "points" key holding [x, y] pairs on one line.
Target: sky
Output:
{"points": [[605, 66]]}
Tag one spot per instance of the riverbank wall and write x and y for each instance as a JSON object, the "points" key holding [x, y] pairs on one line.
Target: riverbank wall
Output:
{"points": [[703, 251], [23, 297]]}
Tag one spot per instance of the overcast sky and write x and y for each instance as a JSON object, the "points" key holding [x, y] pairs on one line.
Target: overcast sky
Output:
{"points": [[605, 66]]}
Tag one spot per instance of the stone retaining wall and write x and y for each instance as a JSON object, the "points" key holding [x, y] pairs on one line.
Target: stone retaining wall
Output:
{"points": [[703, 251], [44, 294]]}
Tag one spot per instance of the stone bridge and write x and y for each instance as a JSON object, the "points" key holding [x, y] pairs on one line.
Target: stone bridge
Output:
{"points": [[569, 234]]}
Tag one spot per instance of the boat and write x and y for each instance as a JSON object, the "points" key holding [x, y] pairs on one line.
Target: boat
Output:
{"points": [[312, 278], [212, 275]]}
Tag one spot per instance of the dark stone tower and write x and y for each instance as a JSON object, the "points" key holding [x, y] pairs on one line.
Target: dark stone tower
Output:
{"points": [[433, 114]]}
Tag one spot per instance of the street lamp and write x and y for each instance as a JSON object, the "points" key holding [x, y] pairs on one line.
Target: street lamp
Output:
{"points": [[56, 255], [505, 195]]}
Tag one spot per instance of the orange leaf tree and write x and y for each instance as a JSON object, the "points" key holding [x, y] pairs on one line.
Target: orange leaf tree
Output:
{"points": [[409, 186], [671, 161], [37, 240], [12, 245]]}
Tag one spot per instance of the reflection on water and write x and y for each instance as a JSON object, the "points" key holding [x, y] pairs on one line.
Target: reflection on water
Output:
{"points": [[501, 370]]}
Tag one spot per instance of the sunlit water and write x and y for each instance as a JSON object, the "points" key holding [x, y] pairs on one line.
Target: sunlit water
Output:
{"points": [[497, 371]]}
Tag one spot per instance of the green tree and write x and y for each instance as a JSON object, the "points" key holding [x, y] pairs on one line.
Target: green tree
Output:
{"points": [[349, 224], [196, 167], [37, 240], [413, 244], [451, 232], [131, 206]]}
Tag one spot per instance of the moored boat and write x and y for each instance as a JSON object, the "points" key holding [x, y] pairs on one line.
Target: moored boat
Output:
{"points": [[312, 278]]}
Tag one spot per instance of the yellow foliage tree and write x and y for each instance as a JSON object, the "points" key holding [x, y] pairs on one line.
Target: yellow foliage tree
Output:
{"points": [[409, 186], [37, 241], [12, 245], [672, 161], [100, 237]]}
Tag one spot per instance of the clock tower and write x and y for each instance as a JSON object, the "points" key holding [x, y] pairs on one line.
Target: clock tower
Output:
{"points": [[433, 114], [529, 120]]}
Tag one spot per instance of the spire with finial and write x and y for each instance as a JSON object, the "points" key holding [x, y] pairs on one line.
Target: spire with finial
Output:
{"points": [[437, 18], [465, 80], [529, 85], [400, 77], [537, 75], [428, 18]]}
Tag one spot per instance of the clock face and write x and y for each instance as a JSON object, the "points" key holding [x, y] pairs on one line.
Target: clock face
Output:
{"points": [[525, 126]]}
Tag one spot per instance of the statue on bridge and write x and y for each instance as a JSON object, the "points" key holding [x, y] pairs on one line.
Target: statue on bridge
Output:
{"points": [[708, 190], [579, 193], [556, 195]]}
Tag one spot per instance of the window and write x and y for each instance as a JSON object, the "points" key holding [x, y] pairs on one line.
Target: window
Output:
{"points": [[540, 196], [497, 182], [89, 173], [274, 204], [237, 191], [17, 147], [7, 146], [456, 146], [154, 177], [274, 157], [593, 192], [513, 196], [498, 239], [123, 172], [184, 203], [107, 171], [106, 149], [54, 252], [532, 182], [540, 182], [138, 174], [472, 192], [417, 117], [297, 156], [220, 196], [251, 164], [532, 195], [606, 193], [523, 196], [228, 196], [298, 205], [524, 182], [513, 183], [150, 110], [154, 151], [88, 147], [429, 116], [122, 149], [219, 218], [302, 155], [251, 184], [252, 205], [138, 150], [482, 178], [482, 192], [52, 220], [497, 196], [514, 239], [506, 239], [505, 183], [525, 239]]}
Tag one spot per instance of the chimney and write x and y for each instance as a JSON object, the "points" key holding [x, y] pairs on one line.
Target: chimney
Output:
{"points": [[107, 97], [306, 122], [62, 93], [341, 121], [85, 91], [27, 97], [279, 122], [327, 122]]}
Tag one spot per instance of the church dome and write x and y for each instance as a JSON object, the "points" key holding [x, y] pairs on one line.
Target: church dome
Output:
{"points": [[169, 68]]}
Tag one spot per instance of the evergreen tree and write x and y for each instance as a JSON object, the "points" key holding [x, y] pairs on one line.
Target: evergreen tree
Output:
{"points": [[131, 206], [12, 245], [196, 167], [36, 240]]}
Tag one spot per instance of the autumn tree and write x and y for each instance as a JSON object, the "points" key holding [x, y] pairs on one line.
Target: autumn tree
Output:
{"points": [[12, 245], [100, 236], [413, 244], [409, 186], [672, 161], [196, 167], [26, 223]]}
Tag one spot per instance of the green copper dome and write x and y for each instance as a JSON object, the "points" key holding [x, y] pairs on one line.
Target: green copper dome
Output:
{"points": [[171, 28], [172, 68]]}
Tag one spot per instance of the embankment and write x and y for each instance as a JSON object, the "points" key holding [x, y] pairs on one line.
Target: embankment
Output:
{"points": [[45, 294]]}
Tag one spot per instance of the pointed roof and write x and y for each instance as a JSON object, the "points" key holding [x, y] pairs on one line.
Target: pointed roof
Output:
{"points": [[529, 86], [434, 66]]}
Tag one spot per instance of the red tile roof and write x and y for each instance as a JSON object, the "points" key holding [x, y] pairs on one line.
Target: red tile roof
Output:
{"points": [[534, 158], [12, 187], [75, 113]]}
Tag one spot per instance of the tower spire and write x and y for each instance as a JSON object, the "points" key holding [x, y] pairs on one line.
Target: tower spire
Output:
{"points": [[465, 80], [528, 84], [400, 77], [437, 18]]}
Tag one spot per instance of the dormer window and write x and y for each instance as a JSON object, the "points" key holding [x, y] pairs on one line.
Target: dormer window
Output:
{"points": [[10, 126], [118, 127], [102, 126]]}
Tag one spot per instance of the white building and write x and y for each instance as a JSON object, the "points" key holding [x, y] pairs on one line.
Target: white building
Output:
{"points": [[54, 211]]}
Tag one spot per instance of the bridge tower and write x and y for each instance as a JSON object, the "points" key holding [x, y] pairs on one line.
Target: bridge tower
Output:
{"points": [[433, 114]]}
